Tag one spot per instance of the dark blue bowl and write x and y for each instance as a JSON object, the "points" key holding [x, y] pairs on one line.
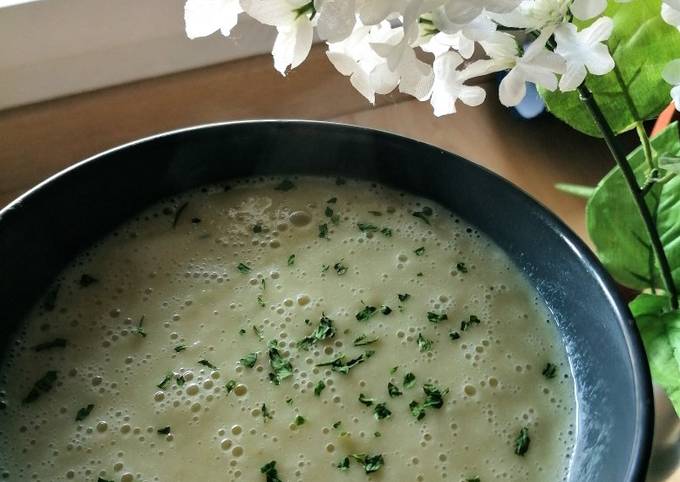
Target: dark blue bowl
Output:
{"points": [[44, 229]]}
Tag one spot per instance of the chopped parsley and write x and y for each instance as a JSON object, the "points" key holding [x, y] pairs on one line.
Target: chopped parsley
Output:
{"points": [[393, 370], [466, 324], [87, 280], [473, 479], [387, 232], [164, 430], [337, 424], [371, 463], [285, 185], [258, 333], [332, 200], [424, 344], [166, 379], [243, 268], [319, 388], [550, 370], [454, 335], [42, 386], [257, 228], [325, 267], [420, 251], [281, 367], [522, 442], [424, 214], [270, 472], [139, 330], [335, 218], [377, 434], [366, 401], [260, 301], [180, 380], [417, 410], [385, 310], [206, 363], [249, 360], [323, 231], [340, 268], [363, 340], [462, 267], [436, 317], [381, 411], [324, 331], [434, 398], [48, 345], [84, 412], [393, 390], [299, 420], [241, 331], [266, 414], [230, 385], [403, 297], [367, 227], [409, 380], [99, 479], [178, 214], [343, 464], [366, 313], [291, 260], [180, 348], [341, 366]]}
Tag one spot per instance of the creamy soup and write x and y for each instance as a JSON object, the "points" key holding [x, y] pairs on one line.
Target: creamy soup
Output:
{"points": [[297, 329]]}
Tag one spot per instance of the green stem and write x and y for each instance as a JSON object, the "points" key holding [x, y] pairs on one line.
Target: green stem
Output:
{"points": [[628, 174], [646, 145]]}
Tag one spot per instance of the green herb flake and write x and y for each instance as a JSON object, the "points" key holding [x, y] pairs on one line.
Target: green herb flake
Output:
{"points": [[340, 268], [366, 313], [420, 251], [473, 479], [393, 370], [229, 386], [467, 324], [424, 344], [270, 472], [364, 340], [289, 401], [550, 370], [366, 401], [139, 329], [266, 414], [343, 464], [377, 434], [99, 479], [260, 301], [424, 214], [180, 348], [325, 267], [393, 390], [462, 267], [41, 387], [324, 331], [409, 380], [454, 335], [84, 412], [178, 214], [522, 442], [249, 360], [180, 380], [48, 345], [323, 231], [258, 333], [367, 227], [332, 200], [371, 463], [257, 228], [417, 410], [87, 280], [385, 310], [285, 185], [436, 317], [206, 363], [319, 388], [381, 411], [341, 366], [375, 213], [163, 431], [434, 397], [291, 260], [387, 232], [281, 367], [243, 268], [403, 297], [166, 379], [299, 420]]}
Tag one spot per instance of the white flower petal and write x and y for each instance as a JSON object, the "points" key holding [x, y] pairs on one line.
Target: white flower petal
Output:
{"points": [[272, 12], [671, 73], [472, 95], [205, 17], [343, 63], [292, 45], [599, 31], [675, 95], [586, 9], [671, 14], [600, 61], [336, 20], [512, 89], [572, 77]]}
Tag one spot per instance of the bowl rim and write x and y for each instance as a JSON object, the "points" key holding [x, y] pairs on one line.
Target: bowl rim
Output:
{"points": [[644, 399]]}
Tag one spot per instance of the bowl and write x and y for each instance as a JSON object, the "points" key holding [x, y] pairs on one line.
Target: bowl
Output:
{"points": [[48, 226]]}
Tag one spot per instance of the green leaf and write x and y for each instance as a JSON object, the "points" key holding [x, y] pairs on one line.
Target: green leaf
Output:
{"points": [[641, 44], [617, 230], [660, 332], [575, 189]]}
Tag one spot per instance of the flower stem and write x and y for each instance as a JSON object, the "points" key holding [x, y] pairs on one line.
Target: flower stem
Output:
{"points": [[638, 196], [646, 145]]}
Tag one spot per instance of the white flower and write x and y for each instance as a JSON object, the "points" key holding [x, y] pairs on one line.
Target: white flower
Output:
{"points": [[205, 17], [671, 74], [372, 12], [464, 11], [336, 19], [461, 38], [583, 51], [537, 65], [585, 9], [670, 12], [449, 83], [292, 21]]}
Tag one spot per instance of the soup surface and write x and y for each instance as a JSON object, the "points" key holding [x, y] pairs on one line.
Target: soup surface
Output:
{"points": [[299, 329]]}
